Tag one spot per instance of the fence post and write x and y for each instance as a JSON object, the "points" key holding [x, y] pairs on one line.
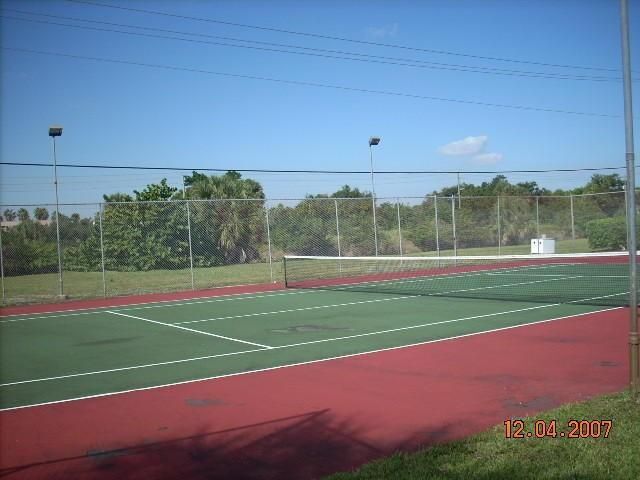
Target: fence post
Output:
{"points": [[104, 276], [573, 223], [537, 217], [59, 248], [499, 230], [626, 203], [375, 224], [266, 215], [335, 201], [2, 267], [193, 281], [453, 225], [399, 226], [435, 204]]}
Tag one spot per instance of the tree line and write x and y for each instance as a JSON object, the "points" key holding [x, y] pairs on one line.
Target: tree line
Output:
{"points": [[149, 229]]}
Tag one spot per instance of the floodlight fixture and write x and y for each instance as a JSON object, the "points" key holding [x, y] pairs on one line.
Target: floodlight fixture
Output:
{"points": [[374, 141], [55, 131]]}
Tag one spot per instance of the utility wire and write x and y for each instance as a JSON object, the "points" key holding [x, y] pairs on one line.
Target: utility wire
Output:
{"points": [[337, 172], [311, 84], [341, 39], [330, 54]]}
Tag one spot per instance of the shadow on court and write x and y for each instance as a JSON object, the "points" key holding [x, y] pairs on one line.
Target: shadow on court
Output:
{"points": [[303, 446], [306, 446]]}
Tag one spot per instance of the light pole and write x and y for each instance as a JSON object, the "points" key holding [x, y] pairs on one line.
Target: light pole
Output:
{"points": [[373, 141], [634, 336], [56, 131]]}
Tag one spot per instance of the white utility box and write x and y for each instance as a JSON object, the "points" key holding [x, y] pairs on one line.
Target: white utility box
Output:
{"points": [[543, 245]]}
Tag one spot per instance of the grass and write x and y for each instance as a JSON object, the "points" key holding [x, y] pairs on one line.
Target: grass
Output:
{"points": [[44, 287], [490, 455]]}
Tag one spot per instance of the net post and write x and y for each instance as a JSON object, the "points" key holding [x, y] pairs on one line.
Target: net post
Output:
{"points": [[266, 215], [193, 281], [284, 267], [104, 274], [2, 267], [634, 354], [399, 226]]}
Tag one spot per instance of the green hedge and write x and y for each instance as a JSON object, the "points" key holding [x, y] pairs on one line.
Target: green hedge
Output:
{"points": [[607, 233]]}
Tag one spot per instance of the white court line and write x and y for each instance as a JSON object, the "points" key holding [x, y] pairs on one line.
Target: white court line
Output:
{"points": [[148, 303], [189, 329], [474, 317], [506, 274], [318, 307], [11, 320], [280, 347], [301, 309], [309, 362], [214, 300], [126, 308], [135, 367]]}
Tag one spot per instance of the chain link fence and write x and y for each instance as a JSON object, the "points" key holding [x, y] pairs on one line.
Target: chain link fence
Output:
{"points": [[120, 248]]}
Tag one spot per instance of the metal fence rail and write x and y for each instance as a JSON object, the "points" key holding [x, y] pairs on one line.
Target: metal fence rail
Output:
{"points": [[119, 248]]}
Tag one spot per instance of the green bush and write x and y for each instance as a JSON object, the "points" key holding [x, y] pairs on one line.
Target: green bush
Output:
{"points": [[25, 257], [423, 235], [607, 233]]}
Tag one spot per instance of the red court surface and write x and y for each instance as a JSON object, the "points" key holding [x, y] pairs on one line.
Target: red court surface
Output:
{"points": [[311, 420]]}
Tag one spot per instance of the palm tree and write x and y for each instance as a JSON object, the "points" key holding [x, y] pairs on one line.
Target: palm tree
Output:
{"points": [[10, 215], [41, 213], [233, 221], [23, 214]]}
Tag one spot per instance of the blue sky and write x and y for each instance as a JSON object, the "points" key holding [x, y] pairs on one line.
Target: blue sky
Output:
{"points": [[120, 114]]}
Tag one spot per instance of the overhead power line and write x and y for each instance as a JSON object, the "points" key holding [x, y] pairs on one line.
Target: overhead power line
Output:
{"points": [[336, 172], [311, 84], [307, 51], [341, 39]]}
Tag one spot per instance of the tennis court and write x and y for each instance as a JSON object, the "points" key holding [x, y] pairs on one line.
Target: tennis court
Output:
{"points": [[348, 309]]}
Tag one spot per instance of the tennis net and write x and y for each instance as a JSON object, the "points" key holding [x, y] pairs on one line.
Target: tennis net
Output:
{"points": [[590, 278]]}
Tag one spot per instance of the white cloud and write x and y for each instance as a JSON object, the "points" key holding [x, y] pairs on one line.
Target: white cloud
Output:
{"points": [[488, 158], [383, 31], [466, 146]]}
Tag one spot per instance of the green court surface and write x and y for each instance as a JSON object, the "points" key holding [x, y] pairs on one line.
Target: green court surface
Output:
{"points": [[60, 356]]}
